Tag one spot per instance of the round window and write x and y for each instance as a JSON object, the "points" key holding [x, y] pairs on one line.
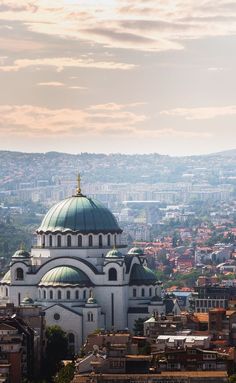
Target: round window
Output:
{"points": [[57, 316]]}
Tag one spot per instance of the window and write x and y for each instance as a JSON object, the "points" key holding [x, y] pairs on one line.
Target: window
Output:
{"points": [[43, 240], [100, 240], [71, 343], [150, 292], [84, 294], [68, 295], [19, 274], [56, 316], [71, 338], [44, 294], [59, 294], [90, 240], [51, 294], [143, 292], [134, 293], [115, 239], [50, 240], [59, 241], [69, 241], [39, 294], [112, 274], [77, 294], [108, 240], [80, 241], [90, 317], [6, 292]]}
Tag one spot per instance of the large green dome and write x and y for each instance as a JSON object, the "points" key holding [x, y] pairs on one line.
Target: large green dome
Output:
{"points": [[79, 214], [65, 276], [142, 275]]}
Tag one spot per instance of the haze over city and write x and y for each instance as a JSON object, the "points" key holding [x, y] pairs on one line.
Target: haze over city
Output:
{"points": [[117, 76]]}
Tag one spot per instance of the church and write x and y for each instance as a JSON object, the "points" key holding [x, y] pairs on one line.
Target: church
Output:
{"points": [[81, 273]]}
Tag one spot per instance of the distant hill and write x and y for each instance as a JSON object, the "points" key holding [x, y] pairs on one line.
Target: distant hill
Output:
{"points": [[17, 168], [227, 153]]}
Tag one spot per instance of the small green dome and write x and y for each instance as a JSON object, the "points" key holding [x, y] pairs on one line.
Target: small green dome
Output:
{"points": [[27, 301], [135, 251], [79, 214], [21, 254], [65, 276], [142, 275], [7, 277], [114, 253], [91, 301]]}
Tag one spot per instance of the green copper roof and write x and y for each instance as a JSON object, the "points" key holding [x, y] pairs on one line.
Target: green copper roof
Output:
{"points": [[7, 277], [114, 253], [64, 276], [21, 254], [135, 251], [92, 301], [79, 214], [27, 301], [142, 275]]}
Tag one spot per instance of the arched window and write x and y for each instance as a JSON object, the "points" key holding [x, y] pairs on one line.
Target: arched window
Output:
{"points": [[51, 294], [134, 293], [84, 294], [112, 274], [108, 240], [19, 274], [143, 292], [90, 240], [150, 291], [69, 241], [68, 295], [90, 317], [80, 241], [43, 240], [6, 292], [39, 294], [115, 239], [100, 240], [71, 338], [77, 294], [59, 241], [44, 294], [50, 241], [59, 294], [71, 343]]}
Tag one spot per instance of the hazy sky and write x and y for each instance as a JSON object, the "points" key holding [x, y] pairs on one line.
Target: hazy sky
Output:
{"points": [[129, 76]]}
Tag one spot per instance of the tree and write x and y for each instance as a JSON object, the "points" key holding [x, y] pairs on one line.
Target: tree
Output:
{"points": [[138, 326], [56, 350], [65, 374]]}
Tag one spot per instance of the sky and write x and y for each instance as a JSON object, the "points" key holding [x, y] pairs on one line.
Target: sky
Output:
{"points": [[118, 76]]}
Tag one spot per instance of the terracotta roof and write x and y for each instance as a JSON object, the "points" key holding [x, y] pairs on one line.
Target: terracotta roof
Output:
{"points": [[202, 317]]}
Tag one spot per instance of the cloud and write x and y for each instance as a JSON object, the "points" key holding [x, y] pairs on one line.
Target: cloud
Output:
{"points": [[32, 120], [60, 63], [141, 25], [51, 83], [97, 120], [204, 113]]}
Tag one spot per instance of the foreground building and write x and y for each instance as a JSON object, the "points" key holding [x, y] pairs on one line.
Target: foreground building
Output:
{"points": [[81, 274]]}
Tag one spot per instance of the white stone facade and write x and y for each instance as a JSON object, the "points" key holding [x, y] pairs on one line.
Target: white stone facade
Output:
{"points": [[111, 297]]}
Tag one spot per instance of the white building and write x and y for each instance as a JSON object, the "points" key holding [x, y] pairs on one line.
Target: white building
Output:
{"points": [[80, 273]]}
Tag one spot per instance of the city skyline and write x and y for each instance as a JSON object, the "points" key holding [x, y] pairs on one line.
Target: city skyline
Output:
{"points": [[120, 76]]}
